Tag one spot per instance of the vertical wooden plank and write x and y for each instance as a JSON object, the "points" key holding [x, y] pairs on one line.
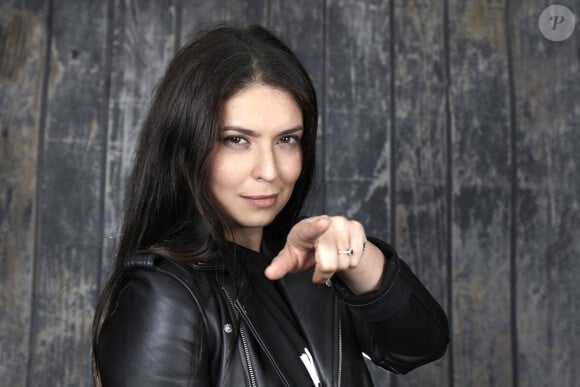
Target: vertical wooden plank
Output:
{"points": [[547, 114], [69, 212], [201, 13], [22, 55], [357, 116], [143, 44], [301, 25], [357, 110], [480, 151], [420, 155]]}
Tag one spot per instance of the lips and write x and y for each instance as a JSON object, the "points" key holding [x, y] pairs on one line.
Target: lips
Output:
{"points": [[261, 201]]}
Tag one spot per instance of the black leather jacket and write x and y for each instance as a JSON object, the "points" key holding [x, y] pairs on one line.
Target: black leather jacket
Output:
{"points": [[178, 326]]}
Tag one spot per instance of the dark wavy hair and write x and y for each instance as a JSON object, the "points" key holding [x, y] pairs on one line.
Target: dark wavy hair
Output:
{"points": [[169, 209]]}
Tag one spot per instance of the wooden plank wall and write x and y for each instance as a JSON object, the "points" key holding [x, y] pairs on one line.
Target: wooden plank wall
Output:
{"points": [[449, 127]]}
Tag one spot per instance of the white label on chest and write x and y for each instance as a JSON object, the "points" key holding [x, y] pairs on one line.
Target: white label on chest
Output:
{"points": [[308, 361]]}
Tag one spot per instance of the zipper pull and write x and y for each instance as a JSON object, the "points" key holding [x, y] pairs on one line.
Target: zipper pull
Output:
{"points": [[308, 361]]}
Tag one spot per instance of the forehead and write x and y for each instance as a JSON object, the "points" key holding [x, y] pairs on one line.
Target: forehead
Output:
{"points": [[261, 107]]}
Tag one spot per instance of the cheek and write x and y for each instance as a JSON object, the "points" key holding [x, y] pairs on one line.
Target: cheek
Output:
{"points": [[291, 170], [224, 180], [223, 173]]}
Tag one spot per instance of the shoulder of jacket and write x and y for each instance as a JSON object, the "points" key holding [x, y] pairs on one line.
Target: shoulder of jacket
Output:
{"points": [[151, 266]]}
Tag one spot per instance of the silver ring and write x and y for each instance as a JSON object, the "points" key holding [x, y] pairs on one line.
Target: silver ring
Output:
{"points": [[347, 252]]}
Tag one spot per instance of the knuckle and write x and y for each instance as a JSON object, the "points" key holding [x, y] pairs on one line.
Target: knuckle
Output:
{"points": [[327, 267], [339, 220], [358, 226]]}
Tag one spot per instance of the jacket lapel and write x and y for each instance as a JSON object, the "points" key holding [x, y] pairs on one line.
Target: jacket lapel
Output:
{"points": [[318, 310]]}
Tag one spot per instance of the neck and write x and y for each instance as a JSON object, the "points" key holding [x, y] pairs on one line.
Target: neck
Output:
{"points": [[250, 238]]}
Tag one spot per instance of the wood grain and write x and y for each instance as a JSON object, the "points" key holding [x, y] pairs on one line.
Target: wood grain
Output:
{"points": [[69, 213], [357, 112], [421, 155], [22, 52], [481, 193], [143, 43], [201, 13], [547, 106]]}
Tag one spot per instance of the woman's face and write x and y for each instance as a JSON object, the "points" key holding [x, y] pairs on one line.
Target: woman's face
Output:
{"points": [[258, 158]]}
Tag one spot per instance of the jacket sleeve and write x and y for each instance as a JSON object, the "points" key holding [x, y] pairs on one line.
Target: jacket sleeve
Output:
{"points": [[400, 325], [154, 336]]}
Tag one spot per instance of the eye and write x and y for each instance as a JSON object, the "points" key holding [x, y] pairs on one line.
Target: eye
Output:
{"points": [[292, 140], [234, 140]]}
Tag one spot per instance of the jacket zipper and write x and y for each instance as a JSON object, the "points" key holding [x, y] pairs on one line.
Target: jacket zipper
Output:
{"points": [[244, 341], [247, 352], [241, 310], [339, 376]]}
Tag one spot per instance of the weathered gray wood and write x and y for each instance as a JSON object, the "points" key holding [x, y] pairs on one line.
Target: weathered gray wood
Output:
{"points": [[547, 106], [201, 13], [301, 25], [357, 110], [22, 49], [143, 43], [70, 219], [480, 152], [420, 156]]}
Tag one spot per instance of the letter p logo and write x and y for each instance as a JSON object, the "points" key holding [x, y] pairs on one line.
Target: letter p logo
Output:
{"points": [[557, 20], [557, 23]]}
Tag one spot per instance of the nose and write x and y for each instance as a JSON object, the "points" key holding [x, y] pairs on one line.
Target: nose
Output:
{"points": [[265, 167]]}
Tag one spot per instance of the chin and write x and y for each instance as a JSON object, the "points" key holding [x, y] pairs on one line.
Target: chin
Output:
{"points": [[256, 222]]}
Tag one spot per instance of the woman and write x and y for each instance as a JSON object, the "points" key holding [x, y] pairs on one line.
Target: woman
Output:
{"points": [[213, 281]]}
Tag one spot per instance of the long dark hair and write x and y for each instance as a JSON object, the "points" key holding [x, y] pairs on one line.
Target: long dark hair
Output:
{"points": [[169, 209]]}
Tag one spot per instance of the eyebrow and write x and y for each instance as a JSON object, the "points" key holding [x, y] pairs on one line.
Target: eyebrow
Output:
{"points": [[251, 133]]}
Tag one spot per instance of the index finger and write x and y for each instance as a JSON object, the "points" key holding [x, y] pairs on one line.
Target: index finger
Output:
{"points": [[308, 230], [281, 265], [301, 242]]}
